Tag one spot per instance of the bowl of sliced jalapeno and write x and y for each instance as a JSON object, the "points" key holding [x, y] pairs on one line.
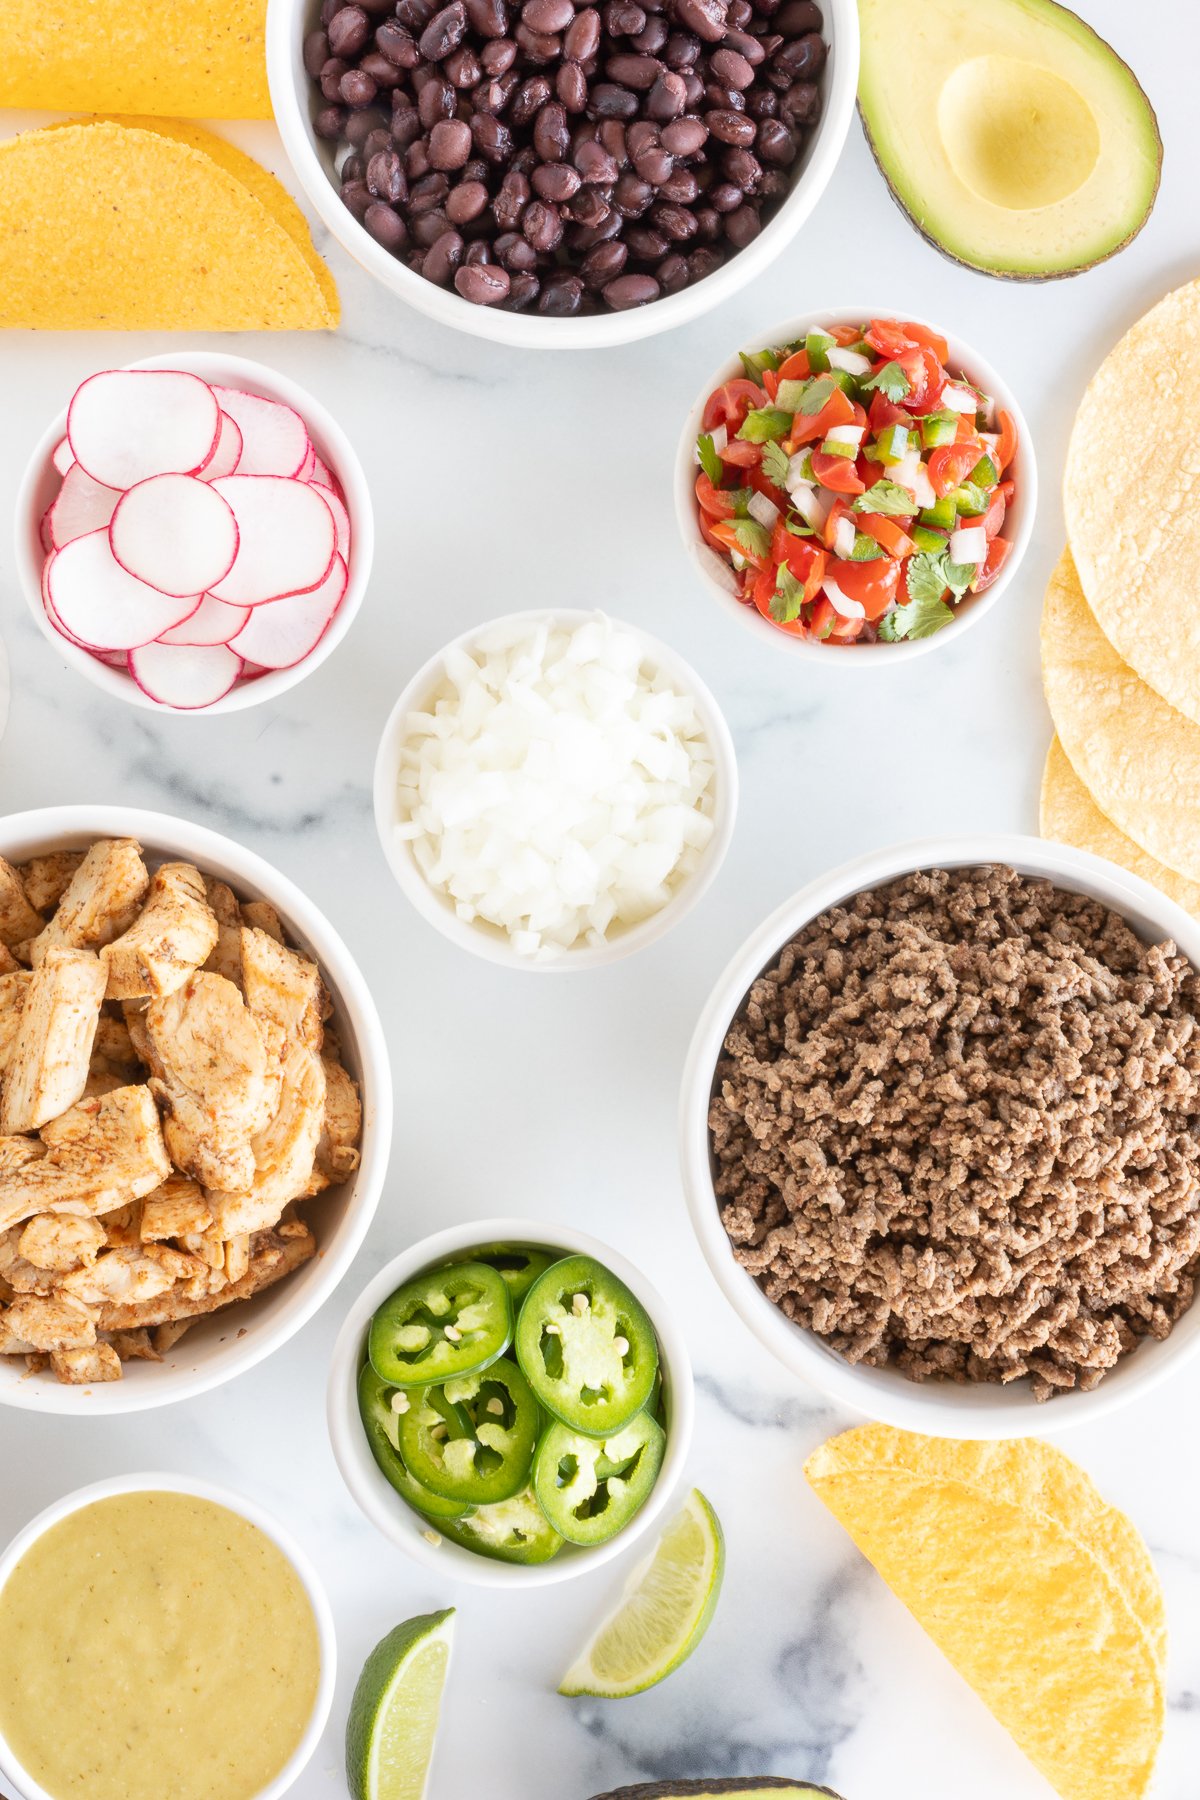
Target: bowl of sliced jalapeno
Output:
{"points": [[510, 1403]]}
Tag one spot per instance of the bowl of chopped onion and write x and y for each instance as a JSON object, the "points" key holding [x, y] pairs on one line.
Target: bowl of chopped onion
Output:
{"points": [[554, 790]]}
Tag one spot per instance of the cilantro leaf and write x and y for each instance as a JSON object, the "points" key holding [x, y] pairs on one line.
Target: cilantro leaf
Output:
{"points": [[919, 619], [926, 575], [775, 463], [865, 549], [890, 380], [959, 576], [739, 499], [817, 394], [798, 528], [887, 497], [710, 462], [751, 536], [788, 597], [764, 423]]}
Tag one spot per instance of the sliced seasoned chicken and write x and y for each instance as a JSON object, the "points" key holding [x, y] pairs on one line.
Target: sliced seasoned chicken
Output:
{"points": [[177, 1209], [17, 1274], [210, 1067], [51, 1323], [284, 986], [13, 988], [226, 958], [337, 1150], [18, 919], [123, 1226], [97, 1156], [101, 900], [8, 962], [80, 1368], [18, 1152], [51, 1054], [134, 1346], [261, 915], [172, 936], [127, 1276], [113, 1045], [284, 1153], [165, 1337], [61, 1244], [271, 1258], [46, 878]]}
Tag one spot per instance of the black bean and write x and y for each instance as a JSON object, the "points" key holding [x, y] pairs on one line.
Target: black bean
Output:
{"points": [[466, 202], [357, 89], [316, 53], [444, 32], [560, 296], [583, 35], [676, 222], [515, 251], [492, 139], [646, 244], [478, 251], [774, 185], [796, 18], [637, 72], [655, 165], [684, 137], [801, 59], [488, 18], [762, 103], [746, 46], [682, 49], [693, 89], [623, 19], [349, 30], [667, 97], [739, 16], [731, 127], [631, 290], [723, 99], [776, 143], [383, 73], [595, 164], [570, 84], [725, 196], [386, 178], [708, 223], [731, 68], [511, 201], [331, 77], [703, 262], [604, 263], [681, 186], [415, 15], [743, 167], [449, 144], [385, 226], [589, 208], [556, 181], [539, 46], [611, 133], [672, 274], [705, 17], [372, 142], [356, 195], [742, 226], [355, 168], [653, 37], [632, 195], [543, 226], [444, 256], [548, 15], [437, 102], [584, 237], [523, 290], [406, 127], [483, 284], [551, 133], [498, 56], [427, 227], [612, 102], [801, 104], [463, 67]]}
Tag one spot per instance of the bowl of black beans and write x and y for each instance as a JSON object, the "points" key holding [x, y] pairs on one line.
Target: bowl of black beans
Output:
{"points": [[553, 173]]}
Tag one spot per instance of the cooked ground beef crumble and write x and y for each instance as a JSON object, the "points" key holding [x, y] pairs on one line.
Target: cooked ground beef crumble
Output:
{"points": [[955, 1129]]}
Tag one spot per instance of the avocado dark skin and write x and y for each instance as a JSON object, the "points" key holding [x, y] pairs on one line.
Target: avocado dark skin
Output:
{"points": [[737, 1787]]}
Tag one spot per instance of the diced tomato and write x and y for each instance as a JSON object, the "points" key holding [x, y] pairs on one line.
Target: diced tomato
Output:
{"points": [[740, 454], [726, 536], [762, 593], [927, 380], [997, 555], [888, 534], [993, 518], [891, 337], [756, 479], [885, 412], [712, 500], [949, 465], [729, 404], [803, 557], [828, 626], [706, 532], [874, 584], [843, 335], [965, 432], [1006, 449], [795, 367], [927, 339], [837, 473], [838, 410], [839, 510], [770, 383], [869, 472]]}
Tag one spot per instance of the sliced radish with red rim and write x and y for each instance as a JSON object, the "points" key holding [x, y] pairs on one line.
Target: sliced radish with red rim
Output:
{"points": [[185, 677], [274, 436], [127, 424], [283, 633], [83, 505], [175, 533], [104, 606], [287, 539], [212, 623], [61, 455], [227, 452], [341, 518]]}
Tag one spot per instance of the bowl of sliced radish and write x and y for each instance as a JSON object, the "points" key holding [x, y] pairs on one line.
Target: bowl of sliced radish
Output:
{"points": [[194, 533]]}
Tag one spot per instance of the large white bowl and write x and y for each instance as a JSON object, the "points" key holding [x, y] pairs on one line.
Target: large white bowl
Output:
{"points": [[1018, 524], [226, 1343], [41, 483], [266, 1523], [296, 101], [489, 941], [945, 1409], [375, 1494]]}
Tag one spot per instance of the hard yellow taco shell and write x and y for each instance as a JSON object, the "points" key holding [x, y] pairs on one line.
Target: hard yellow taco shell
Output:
{"points": [[1138, 756], [202, 59]]}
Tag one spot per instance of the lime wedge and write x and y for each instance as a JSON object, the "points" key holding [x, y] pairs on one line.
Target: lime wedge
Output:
{"points": [[663, 1613], [393, 1718]]}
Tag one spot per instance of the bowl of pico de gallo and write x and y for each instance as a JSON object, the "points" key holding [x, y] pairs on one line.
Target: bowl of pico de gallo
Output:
{"points": [[856, 482]]}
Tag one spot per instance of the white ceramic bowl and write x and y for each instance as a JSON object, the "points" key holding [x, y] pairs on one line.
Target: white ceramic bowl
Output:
{"points": [[489, 941], [944, 1409], [226, 1343], [1018, 525], [296, 102], [41, 483], [28, 1788], [380, 1501]]}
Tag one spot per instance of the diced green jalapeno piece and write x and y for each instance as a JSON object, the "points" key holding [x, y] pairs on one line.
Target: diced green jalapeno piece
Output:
{"points": [[515, 1531], [381, 1422], [589, 1488], [441, 1324], [755, 361], [970, 501], [892, 443], [473, 1438], [586, 1346], [942, 513], [846, 381], [790, 394], [939, 428], [818, 345], [932, 541], [985, 474], [836, 447], [519, 1264]]}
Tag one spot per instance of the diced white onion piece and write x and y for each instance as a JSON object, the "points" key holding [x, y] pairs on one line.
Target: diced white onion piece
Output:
{"points": [[845, 434], [842, 603], [968, 544], [990, 441], [906, 471], [762, 508], [843, 537], [923, 487], [960, 400], [796, 476], [852, 361], [813, 509]]}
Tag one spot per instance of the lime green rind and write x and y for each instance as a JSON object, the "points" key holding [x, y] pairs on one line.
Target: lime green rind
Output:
{"points": [[393, 1717]]}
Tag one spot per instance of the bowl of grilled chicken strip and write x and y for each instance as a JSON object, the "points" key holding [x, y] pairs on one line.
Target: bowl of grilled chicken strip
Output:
{"points": [[195, 1109]]}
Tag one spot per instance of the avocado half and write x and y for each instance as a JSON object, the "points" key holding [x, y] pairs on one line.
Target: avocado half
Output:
{"points": [[752, 1787], [1016, 139]]}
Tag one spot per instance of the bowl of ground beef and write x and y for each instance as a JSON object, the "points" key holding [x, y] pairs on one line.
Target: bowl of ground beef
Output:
{"points": [[941, 1136], [553, 174]]}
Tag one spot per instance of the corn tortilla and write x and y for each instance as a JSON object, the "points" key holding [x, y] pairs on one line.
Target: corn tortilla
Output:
{"points": [[1069, 815], [1025, 1472], [1131, 490], [1025, 1614], [110, 226], [1138, 757], [202, 59]]}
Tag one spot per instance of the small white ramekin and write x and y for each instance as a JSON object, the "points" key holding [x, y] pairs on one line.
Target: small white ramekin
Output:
{"points": [[1018, 525], [944, 1409], [270, 1527], [296, 101], [488, 941], [41, 483], [224, 1344], [380, 1501]]}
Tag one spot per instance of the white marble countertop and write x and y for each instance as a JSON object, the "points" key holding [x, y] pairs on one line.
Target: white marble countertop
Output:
{"points": [[501, 480]]}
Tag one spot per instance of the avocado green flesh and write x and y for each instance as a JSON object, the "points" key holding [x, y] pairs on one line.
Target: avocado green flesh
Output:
{"points": [[732, 1789], [1016, 139]]}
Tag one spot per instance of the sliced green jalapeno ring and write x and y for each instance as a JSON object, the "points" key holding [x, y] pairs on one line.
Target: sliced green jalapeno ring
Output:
{"points": [[586, 1346], [381, 1422], [445, 1323], [514, 1530], [590, 1488], [519, 1264], [473, 1439]]}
